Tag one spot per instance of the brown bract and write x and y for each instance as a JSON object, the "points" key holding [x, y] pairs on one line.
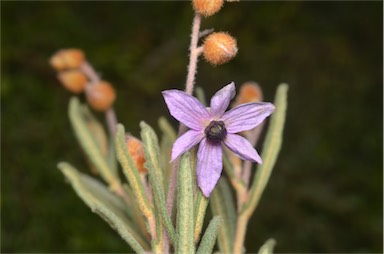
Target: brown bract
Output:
{"points": [[219, 48], [135, 149], [73, 80], [100, 96], [67, 59], [207, 7], [249, 92]]}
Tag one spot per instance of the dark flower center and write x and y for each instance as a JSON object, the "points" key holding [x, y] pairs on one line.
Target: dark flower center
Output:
{"points": [[215, 131]]}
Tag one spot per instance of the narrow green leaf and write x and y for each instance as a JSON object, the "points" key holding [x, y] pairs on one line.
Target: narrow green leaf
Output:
{"points": [[151, 150], [136, 214], [201, 204], [267, 247], [200, 95], [111, 159], [131, 172], [167, 128], [96, 129], [106, 145], [89, 143], [271, 149], [222, 205], [167, 139], [209, 237], [104, 203], [185, 208]]}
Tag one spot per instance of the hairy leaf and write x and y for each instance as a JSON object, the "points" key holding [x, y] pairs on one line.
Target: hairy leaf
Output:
{"points": [[104, 203], [209, 237], [185, 209]]}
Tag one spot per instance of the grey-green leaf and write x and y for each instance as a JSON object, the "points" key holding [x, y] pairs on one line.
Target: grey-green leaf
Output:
{"points": [[200, 95], [185, 225], [89, 143], [201, 204], [267, 247], [132, 173], [151, 150], [271, 148], [167, 139], [104, 203], [222, 205], [209, 238]]}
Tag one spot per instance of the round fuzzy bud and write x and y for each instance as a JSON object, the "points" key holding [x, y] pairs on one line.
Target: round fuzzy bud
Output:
{"points": [[219, 48], [135, 149], [67, 59], [249, 92], [207, 7], [73, 80], [100, 96]]}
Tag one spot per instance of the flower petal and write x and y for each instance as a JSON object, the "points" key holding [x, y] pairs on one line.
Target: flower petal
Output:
{"points": [[209, 166], [247, 116], [186, 142], [220, 101], [242, 148], [186, 109]]}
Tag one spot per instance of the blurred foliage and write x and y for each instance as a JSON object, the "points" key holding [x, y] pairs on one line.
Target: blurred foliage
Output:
{"points": [[325, 194]]}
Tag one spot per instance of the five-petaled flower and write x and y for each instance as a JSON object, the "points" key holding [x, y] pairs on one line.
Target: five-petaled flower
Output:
{"points": [[213, 127]]}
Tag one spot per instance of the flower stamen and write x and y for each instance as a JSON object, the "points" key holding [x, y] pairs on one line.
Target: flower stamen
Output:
{"points": [[215, 131]]}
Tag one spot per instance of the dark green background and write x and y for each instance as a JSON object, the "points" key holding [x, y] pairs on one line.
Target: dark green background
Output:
{"points": [[325, 194]]}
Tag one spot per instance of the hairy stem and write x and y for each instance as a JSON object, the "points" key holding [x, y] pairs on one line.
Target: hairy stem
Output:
{"points": [[88, 70], [193, 54], [110, 117]]}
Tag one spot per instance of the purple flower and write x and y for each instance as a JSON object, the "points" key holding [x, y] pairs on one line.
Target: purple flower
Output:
{"points": [[213, 127]]}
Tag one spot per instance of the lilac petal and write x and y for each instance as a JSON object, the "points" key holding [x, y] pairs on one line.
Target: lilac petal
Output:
{"points": [[186, 109], [247, 116], [242, 148], [186, 142], [220, 101], [209, 166]]}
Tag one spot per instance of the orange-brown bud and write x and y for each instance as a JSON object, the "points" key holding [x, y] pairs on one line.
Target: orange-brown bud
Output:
{"points": [[73, 80], [207, 7], [135, 149], [249, 92], [219, 48], [67, 59], [100, 96]]}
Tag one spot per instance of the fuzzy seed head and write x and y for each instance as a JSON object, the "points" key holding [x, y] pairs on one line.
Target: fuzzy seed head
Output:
{"points": [[249, 92], [219, 48], [100, 96], [73, 80], [135, 149], [67, 59], [207, 7]]}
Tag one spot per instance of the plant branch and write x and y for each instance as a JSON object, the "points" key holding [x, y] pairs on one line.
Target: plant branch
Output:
{"points": [[193, 54], [88, 70]]}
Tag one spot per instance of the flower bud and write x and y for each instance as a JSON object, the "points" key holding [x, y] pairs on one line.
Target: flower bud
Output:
{"points": [[67, 59], [73, 80], [219, 48], [135, 149], [100, 96], [249, 92], [207, 7]]}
